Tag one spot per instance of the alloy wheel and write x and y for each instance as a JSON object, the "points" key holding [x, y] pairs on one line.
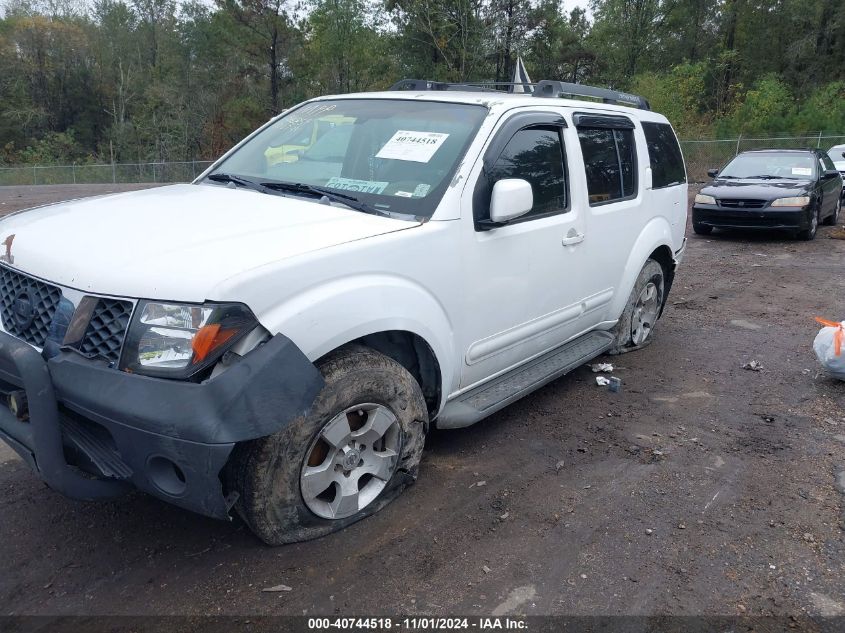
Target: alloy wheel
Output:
{"points": [[645, 313], [350, 461]]}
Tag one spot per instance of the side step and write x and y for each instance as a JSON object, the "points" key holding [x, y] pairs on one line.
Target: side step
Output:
{"points": [[486, 399]]}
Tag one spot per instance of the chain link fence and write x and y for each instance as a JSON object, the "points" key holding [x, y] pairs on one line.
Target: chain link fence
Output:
{"points": [[700, 155], [101, 174]]}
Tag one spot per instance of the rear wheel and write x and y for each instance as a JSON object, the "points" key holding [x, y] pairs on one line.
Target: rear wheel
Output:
{"points": [[636, 325], [810, 232], [701, 229], [357, 449], [833, 218]]}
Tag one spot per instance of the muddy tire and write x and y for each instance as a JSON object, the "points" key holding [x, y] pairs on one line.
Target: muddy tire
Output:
{"points": [[367, 396], [635, 327]]}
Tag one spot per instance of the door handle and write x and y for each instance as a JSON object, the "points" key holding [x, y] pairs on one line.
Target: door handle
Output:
{"points": [[573, 237]]}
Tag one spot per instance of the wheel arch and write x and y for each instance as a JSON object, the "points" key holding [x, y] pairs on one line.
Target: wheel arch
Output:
{"points": [[414, 353], [654, 242]]}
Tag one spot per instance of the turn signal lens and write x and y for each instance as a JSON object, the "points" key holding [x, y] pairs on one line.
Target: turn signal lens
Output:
{"points": [[208, 339]]}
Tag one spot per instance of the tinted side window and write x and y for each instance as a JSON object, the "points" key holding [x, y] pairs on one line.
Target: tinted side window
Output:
{"points": [[664, 154], [609, 162], [535, 155], [827, 163]]}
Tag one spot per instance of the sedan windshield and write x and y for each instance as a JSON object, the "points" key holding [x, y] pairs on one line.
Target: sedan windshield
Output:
{"points": [[771, 165], [387, 156]]}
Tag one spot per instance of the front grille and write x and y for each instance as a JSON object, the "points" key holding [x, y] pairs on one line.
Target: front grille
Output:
{"points": [[106, 329], [27, 306], [742, 203]]}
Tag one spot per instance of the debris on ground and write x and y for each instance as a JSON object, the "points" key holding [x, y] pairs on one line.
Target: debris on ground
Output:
{"points": [[486, 569], [754, 365], [615, 384], [747, 325], [828, 346], [602, 367], [559, 465], [601, 381], [277, 588]]}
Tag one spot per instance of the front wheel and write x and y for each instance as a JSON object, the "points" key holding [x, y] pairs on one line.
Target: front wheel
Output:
{"points": [[833, 218], [636, 325], [810, 232], [357, 449]]}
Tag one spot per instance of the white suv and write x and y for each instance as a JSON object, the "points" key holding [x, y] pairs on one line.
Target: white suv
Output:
{"points": [[278, 336]]}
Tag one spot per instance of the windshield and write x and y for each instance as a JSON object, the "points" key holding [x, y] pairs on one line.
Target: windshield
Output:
{"points": [[789, 165], [395, 155]]}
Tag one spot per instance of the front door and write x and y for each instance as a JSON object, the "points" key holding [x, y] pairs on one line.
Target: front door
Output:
{"points": [[527, 282]]}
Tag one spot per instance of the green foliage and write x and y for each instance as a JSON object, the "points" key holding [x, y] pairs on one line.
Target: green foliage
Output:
{"points": [[769, 105], [168, 80], [677, 95]]}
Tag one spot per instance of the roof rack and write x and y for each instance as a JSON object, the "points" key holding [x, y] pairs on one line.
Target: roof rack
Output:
{"points": [[422, 84], [544, 88]]}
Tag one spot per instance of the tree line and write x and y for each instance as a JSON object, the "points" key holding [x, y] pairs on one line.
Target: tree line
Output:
{"points": [[161, 80]]}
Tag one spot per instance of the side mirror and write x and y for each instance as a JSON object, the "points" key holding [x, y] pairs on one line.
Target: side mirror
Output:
{"points": [[843, 154], [712, 172], [830, 173], [511, 198]]}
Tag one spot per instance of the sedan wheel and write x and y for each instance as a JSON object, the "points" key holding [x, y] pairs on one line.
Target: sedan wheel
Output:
{"points": [[833, 218], [810, 232]]}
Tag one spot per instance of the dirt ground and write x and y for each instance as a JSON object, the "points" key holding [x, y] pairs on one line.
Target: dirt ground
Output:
{"points": [[701, 488]]}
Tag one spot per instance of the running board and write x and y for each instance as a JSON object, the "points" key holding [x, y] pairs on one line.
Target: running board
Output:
{"points": [[486, 399]]}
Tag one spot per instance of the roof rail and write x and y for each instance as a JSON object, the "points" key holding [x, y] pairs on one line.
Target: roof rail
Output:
{"points": [[422, 84], [547, 88], [544, 88]]}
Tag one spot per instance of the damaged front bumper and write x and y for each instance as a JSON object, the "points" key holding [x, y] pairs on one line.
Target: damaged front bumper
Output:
{"points": [[92, 432]]}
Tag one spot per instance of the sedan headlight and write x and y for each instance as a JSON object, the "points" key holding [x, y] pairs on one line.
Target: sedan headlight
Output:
{"points": [[701, 198], [800, 201], [177, 340]]}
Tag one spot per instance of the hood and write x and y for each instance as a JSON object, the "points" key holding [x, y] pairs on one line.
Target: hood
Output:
{"points": [[177, 242], [756, 189]]}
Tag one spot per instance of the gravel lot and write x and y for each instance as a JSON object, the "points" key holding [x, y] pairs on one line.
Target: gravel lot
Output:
{"points": [[701, 488]]}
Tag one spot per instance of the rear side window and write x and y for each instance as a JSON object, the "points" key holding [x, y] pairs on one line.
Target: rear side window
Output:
{"points": [[609, 162], [664, 154], [536, 155]]}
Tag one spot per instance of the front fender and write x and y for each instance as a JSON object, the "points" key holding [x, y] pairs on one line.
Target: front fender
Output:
{"points": [[328, 315], [657, 233]]}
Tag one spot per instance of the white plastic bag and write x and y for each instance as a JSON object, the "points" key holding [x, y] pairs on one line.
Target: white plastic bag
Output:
{"points": [[829, 341]]}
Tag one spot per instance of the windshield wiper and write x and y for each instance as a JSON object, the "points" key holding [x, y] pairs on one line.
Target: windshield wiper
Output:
{"points": [[349, 201], [241, 182], [764, 177]]}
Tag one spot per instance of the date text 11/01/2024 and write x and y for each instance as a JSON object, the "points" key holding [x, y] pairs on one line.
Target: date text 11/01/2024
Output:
{"points": [[418, 624]]}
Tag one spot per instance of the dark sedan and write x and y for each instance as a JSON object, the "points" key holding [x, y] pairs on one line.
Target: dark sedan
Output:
{"points": [[794, 190]]}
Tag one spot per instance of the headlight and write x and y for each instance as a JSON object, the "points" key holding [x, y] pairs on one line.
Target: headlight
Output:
{"points": [[178, 340], [704, 199], [800, 201]]}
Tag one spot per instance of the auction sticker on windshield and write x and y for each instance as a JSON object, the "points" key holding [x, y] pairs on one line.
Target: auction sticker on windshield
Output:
{"points": [[350, 184], [802, 171], [418, 147]]}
